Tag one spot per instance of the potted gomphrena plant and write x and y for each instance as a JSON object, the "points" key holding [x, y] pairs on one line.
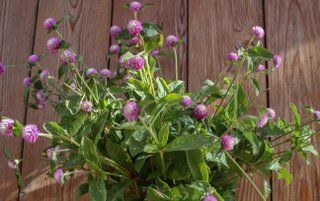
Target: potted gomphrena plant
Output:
{"points": [[138, 136]]}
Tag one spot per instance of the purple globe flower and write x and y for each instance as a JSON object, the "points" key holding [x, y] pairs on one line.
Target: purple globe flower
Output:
{"points": [[227, 142], [86, 106], [114, 31], [271, 113], [33, 58], [58, 176], [91, 72], [261, 68], [200, 112], [154, 53], [134, 40], [130, 110], [134, 27], [135, 6], [114, 49], [209, 198], [6, 127], [30, 133], [277, 60], [135, 63], [52, 152], [53, 44], [233, 56], [27, 81], [171, 41], [49, 23], [258, 32], [186, 101], [44, 76], [73, 85], [68, 57], [316, 114], [41, 97], [263, 121], [2, 69], [105, 73]]}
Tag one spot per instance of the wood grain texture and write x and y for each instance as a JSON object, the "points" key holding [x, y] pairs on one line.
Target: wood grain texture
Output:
{"points": [[214, 29], [88, 33], [293, 31], [17, 20]]}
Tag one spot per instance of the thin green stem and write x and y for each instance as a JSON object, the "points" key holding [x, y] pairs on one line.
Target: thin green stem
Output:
{"points": [[175, 56]]}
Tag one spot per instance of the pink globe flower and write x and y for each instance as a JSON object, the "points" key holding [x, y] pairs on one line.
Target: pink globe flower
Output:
{"points": [[41, 96], [73, 85], [114, 49], [86, 106], [30, 133], [105, 73], [2, 69], [316, 114], [68, 57], [277, 60], [13, 164], [6, 127], [154, 53], [263, 121], [258, 32], [135, 6], [186, 101], [135, 63], [126, 77], [91, 72], [53, 44], [27, 81], [58, 176], [49, 23], [171, 41], [33, 58], [200, 112], [233, 56], [209, 198], [260, 68], [227, 142], [134, 40], [114, 31], [134, 27], [44, 76], [52, 152], [130, 110], [271, 113]]}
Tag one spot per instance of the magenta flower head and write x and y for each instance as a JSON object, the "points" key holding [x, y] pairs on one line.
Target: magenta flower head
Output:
{"points": [[171, 41], [209, 198], [258, 32], [134, 40], [186, 101], [33, 58], [41, 96], [260, 68], [114, 49], [277, 60], [91, 72], [53, 44], [271, 113], [134, 27], [27, 81], [2, 69], [58, 176], [227, 142], [44, 76], [154, 53], [68, 56], [105, 73], [30, 133], [135, 63], [130, 110], [49, 23], [263, 121], [114, 31], [6, 127], [200, 112], [86, 106], [135, 6], [233, 56], [316, 114]]}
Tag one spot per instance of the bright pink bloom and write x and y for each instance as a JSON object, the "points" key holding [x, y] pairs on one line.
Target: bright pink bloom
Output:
{"points": [[68, 57], [263, 121], [258, 32], [135, 6], [209, 198], [233, 56], [44, 76], [2, 69], [53, 44], [114, 49], [6, 127], [130, 110], [271, 113], [33, 58], [277, 60], [86, 106], [27, 81], [135, 63], [49, 23], [134, 27], [171, 41], [186, 101], [114, 31], [91, 72], [227, 142], [261, 68], [200, 112], [30, 133], [134, 40], [105, 73], [58, 175]]}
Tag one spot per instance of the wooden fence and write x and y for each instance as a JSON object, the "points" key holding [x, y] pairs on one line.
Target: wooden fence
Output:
{"points": [[209, 28]]}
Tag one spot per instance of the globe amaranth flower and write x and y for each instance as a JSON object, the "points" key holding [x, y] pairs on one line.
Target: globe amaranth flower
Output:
{"points": [[86, 106], [126, 77], [186, 101], [114, 49], [27, 81], [122, 63], [209, 197], [68, 57], [258, 32], [41, 99], [227, 142], [316, 114], [271, 113], [53, 44], [114, 31], [2, 69], [44, 76], [6, 127], [233, 56], [260, 68], [13, 164], [171, 41], [135, 63], [134, 27], [200, 111], [134, 40], [130, 110], [263, 121], [49, 23], [30, 133], [154, 53], [58, 175], [52, 152], [135, 6], [277, 60], [33, 58], [105, 73], [91, 72]]}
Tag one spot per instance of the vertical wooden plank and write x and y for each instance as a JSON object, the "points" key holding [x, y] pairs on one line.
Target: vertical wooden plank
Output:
{"points": [[17, 22], [293, 31], [88, 34], [214, 29], [172, 16]]}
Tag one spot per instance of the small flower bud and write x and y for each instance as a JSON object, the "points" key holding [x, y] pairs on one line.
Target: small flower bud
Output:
{"points": [[316, 114], [2, 69], [200, 112], [33, 58], [171, 41], [41, 96], [6, 127], [186, 101], [53, 44], [263, 121], [126, 77], [114, 31], [271, 113], [135, 63], [86, 106], [67, 56], [114, 49], [73, 85], [130, 111], [30, 133], [49, 23], [277, 61], [135, 6], [227, 142], [233, 56], [27, 81], [258, 32], [58, 176], [134, 27], [44, 76], [154, 53]]}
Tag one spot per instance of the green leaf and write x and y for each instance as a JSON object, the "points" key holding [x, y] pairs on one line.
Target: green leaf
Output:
{"points": [[54, 129], [63, 68], [97, 189], [186, 143], [17, 127], [19, 178], [156, 195], [266, 189], [150, 30], [26, 95], [117, 191], [82, 190], [131, 125], [284, 174], [77, 123], [259, 51], [164, 134], [99, 126], [124, 35], [170, 99], [296, 115], [254, 141], [206, 91], [89, 152], [310, 149], [150, 148], [197, 165], [256, 85], [118, 154]]}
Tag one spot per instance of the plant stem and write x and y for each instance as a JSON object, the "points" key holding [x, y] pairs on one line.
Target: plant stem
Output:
{"points": [[175, 56]]}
